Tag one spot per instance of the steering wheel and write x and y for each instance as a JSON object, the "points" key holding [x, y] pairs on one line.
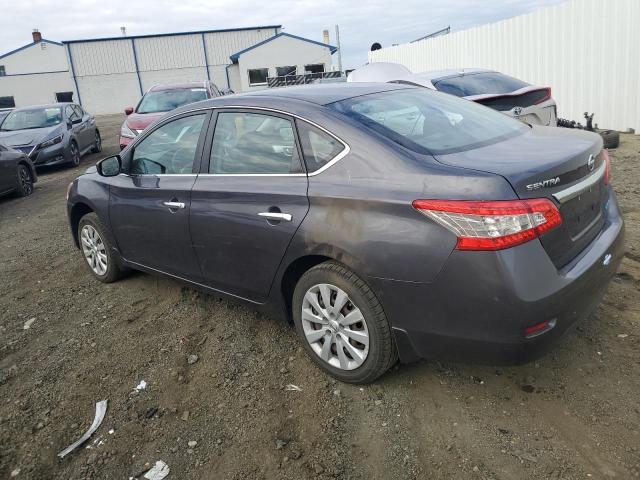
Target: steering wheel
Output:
{"points": [[176, 165]]}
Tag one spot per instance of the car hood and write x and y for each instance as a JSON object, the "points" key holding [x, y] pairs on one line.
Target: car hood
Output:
{"points": [[31, 136], [140, 121]]}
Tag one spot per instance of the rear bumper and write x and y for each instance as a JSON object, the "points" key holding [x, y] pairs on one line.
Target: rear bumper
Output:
{"points": [[479, 305]]}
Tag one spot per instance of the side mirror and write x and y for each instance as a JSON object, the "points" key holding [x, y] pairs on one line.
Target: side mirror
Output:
{"points": [[76, 121], [128, 110], [110, 166]]}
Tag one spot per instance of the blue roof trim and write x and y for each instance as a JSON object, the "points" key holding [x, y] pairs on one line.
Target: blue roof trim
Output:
{"points": [[32, 73], [44, 40], [235, 56], [175, 34]]}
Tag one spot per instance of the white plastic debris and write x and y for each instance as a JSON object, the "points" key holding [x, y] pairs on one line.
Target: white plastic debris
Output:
{"points": [[101, 410], [141, 386], [28, 323], [622, 335], [293, 388], [159, 471]]}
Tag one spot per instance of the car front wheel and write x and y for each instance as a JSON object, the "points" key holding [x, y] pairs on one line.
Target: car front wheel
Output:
{"points": [[74, 154], [25, 180], [342, 325], [97, 250]]}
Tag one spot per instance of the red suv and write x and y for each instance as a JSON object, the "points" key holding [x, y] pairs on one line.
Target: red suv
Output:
{"points": [[160, 99]]}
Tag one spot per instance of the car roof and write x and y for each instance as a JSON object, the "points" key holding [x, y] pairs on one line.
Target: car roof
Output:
{"points": [[178, 86], [324, 93], [44, 105], [452, 72]]}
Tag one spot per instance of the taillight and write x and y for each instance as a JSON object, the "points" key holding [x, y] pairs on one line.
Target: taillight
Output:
{"points": [[492, 225], [547, 95], [607, 168]]}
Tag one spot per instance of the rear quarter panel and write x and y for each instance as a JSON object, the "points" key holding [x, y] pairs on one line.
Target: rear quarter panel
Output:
{"points": [[361, 214]]}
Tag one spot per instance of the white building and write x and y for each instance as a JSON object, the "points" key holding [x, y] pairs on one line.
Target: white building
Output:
{"points": [[106, 75], [35, 73], [278, 56], [585, 50]]}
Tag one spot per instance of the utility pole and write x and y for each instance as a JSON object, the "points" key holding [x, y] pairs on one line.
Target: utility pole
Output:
{"points": [[339, 49]]}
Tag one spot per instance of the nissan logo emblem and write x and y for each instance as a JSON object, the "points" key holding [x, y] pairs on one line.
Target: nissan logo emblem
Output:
{"points": [[591, 163]]}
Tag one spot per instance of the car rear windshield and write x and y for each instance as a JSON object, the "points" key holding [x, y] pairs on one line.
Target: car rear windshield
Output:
{"points": [[25, 119], [430, 122], [479, 84], [166, 100]]}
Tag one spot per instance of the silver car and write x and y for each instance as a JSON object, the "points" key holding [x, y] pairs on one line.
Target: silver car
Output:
{"points": [[514, 97]]}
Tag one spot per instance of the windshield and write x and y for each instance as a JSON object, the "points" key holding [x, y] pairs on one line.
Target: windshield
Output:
{"points": [[479, 84], [430, 122], [165, 100], [32, 118]]}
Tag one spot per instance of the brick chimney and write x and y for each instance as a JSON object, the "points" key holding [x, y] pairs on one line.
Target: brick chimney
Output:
{"points": [[37, 36]]}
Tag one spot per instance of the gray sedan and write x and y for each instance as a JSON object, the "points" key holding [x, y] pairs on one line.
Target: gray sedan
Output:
{"points": [[51, 134], [382, 220]]}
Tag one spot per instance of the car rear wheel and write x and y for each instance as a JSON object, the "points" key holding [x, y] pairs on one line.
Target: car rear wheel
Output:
{"points": [[342, 325], [25, 180], [74, 154], [97, 250], [97, 143]]}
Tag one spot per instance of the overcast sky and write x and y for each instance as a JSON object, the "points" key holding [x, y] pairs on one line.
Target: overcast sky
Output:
{"points": [[361, 22]]}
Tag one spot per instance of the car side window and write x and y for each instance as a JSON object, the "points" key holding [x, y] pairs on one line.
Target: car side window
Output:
{"points": [[71, 113], [318, 147], [253, 143], [170, 149], [78, 111]]}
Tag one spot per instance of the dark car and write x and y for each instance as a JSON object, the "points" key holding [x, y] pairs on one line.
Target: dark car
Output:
{"points": [[51, 134], [159, 100], [383, 219], [17, 173]]}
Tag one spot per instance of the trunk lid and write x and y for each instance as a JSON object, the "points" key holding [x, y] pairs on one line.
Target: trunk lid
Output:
{"points": [[564, 166]]}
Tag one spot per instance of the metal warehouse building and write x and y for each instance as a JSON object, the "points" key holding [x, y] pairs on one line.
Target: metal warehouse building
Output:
{"points": [[106, 75], [585, 50]]}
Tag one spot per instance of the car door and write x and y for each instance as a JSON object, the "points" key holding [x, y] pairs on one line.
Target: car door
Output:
{"points": [[149, 206], [88, 127], [8, 175], [75, 122], [248, 201]]}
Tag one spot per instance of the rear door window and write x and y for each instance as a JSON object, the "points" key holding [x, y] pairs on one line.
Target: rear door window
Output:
{"points": [[253, 143], [318, 147]]}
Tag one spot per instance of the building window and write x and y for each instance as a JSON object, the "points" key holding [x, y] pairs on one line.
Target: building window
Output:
{"points": [[7, 102], [314, 68], [43, 45], [64, 96], [3, 72], [258, 76], [284, 71]]}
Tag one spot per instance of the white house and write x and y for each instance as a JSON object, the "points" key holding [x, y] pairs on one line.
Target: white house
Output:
{"points": [[278, 56], [35, 73]]}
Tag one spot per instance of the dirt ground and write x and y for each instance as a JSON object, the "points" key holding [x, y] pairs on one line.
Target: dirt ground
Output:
{"points": [[574, 414]]}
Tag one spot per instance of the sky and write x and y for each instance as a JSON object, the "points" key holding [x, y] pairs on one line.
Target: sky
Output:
{"points": [[361, 23]]}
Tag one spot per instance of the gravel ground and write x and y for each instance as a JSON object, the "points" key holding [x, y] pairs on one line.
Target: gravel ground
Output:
{"points": [[574, 414]]}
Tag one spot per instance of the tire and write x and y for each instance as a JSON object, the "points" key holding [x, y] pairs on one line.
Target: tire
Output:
{"points": [[97, 144], [380, 353], [87, 239], [25, 180], [610, 138], [74, 154]]}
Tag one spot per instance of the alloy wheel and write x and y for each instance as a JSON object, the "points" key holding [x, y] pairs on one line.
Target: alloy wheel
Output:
{"points": [[335, 327], [94, 249], [75, 154], [26, 182], [97, 146]]}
